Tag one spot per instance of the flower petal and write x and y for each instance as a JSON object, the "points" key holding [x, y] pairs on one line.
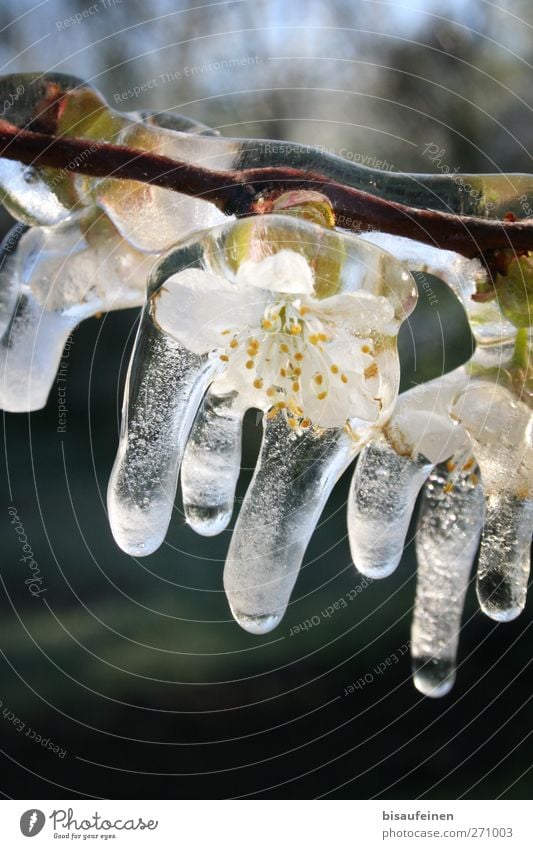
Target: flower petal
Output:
{"points": [[198, 309], [362, 312], [285, 271]]}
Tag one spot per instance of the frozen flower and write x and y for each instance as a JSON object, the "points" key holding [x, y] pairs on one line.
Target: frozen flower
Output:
{"points": [[466, 439], [51, 278], [275, 313]]}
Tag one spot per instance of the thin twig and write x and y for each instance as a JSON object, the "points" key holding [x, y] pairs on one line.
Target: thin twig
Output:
{"points": [[248, 191]]}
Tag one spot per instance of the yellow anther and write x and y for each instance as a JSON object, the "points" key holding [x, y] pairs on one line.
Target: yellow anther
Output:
{"points": [[292, 422], [225, 332], [272, 413], [334, 369], [234, 343], [281, 405], [365, 349], [298, 357], [319, 378], [344, 378], [249, 363], [448, 487], [224, 358], [450, 466], [283, 372], [258, 383], [314, 340], [271, 392], [323, 337], [284, 348], [266, 324], [303, 310], [474, 480], [295, 386], [321, 396], [305, 423], [295, 408], [468, 465], [296, 329], [371, 371], [297, 372], [252, 352]]}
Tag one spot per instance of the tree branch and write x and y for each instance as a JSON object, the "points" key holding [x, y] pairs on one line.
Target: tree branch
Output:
{"points": [[251, 191]]}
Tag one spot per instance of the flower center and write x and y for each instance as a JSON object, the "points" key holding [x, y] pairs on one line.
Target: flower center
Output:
{"points": [[287, 361]]}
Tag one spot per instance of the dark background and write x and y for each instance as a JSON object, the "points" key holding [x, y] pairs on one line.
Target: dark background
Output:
{"points": [[134, 667]]}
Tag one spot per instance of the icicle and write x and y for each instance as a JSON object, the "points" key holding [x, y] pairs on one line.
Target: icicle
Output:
{"points": [[164, 389], [382, 496], [449, 525], [292, 482], [500, 427], [211, 464], [503, 567]]}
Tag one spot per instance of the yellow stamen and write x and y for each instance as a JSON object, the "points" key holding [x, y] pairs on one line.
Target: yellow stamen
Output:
{"points": [[258, 383], [474, 480], [297, 372], [314, 339], [299, 357], [224, 358], [266, 324], [366, 349], [283, 372], [334, 369], [249, 363], [234, 343], [271, 392], [319, 378], [305, 422], [295, 386], [292, 422], [296, 329], [323, 337], [468, 465], [450, 466], [344, 378], [321, 396], [225, 332], [303, 310], [284, 348], [272, 413], [371, 371], [448, 487]]}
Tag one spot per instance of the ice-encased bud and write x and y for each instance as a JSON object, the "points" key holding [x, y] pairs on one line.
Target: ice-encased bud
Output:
{"points": [[149, 217], [51, 279]]}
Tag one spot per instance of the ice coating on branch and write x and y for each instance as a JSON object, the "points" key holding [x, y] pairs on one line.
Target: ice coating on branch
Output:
{"points": [[51, 279], [292, 482], [464, 277], [275, 313], [500, 427], [447, 537], [58, 103], [211, 463], [382, 496]]}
